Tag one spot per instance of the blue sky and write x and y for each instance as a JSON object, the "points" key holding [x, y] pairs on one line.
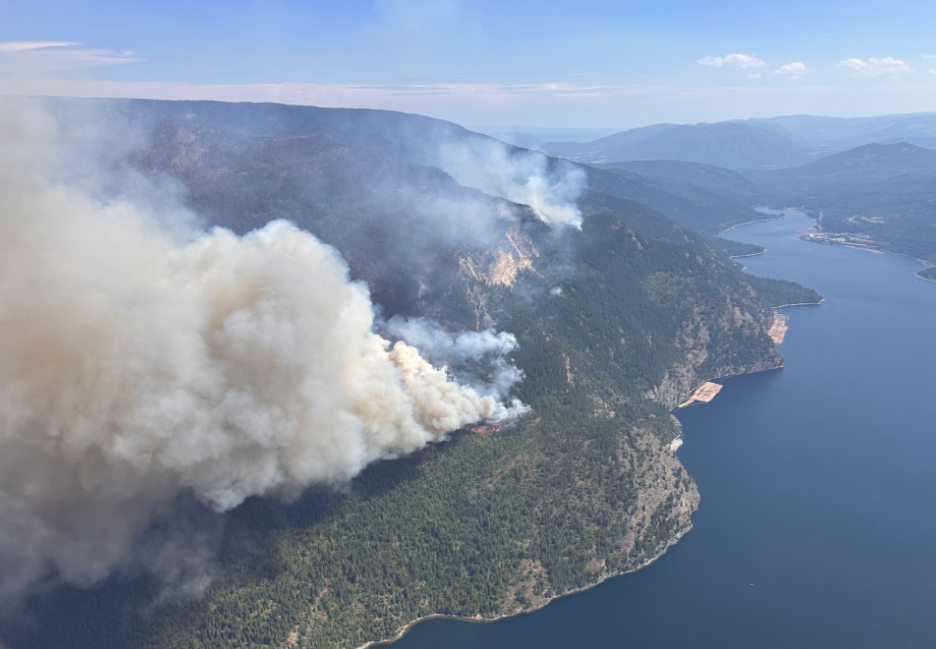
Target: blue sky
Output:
{"points": [[548, 63]]}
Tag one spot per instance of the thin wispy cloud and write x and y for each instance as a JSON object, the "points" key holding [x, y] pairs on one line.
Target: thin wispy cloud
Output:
{"points": [[886, 67], [733, 60], [408, 97], [36, 58], [794, 70], [24, 46]]}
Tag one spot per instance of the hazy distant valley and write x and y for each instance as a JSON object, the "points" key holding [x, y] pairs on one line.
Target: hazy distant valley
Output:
{"points": [[753, 144], [873, 179]]}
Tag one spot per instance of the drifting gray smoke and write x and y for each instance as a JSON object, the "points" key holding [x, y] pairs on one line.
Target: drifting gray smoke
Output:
{"points": [[526, 177], [136, 366]]}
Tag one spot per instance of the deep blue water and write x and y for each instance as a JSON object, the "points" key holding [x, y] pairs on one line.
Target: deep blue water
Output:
{"points": [[817, 526]]}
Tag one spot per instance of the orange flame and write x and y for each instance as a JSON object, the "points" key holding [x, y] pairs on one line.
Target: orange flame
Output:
{"points": [[482, 430]]}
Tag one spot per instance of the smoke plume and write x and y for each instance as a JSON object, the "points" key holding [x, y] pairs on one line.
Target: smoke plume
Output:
{"points": [[549, 186], [137, 366], [476, 358]]}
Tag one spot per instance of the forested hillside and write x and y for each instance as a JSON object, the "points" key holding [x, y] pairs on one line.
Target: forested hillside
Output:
{"points": [[701, 197], [616, 323]]}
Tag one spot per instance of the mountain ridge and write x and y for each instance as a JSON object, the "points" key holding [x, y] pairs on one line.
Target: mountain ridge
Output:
{"points": [[734, 145]]}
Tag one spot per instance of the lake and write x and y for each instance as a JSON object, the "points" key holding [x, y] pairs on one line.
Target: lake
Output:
{"points": [[817, 526]]}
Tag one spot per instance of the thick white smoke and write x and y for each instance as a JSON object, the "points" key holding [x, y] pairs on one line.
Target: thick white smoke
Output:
{"points": [[521, 176], [135, 368], [477, 358]]}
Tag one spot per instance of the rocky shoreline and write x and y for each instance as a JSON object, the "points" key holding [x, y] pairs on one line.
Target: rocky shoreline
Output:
{"points": [[671, 542]]}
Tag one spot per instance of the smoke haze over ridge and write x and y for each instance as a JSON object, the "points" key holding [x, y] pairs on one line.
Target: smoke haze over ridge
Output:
{"points": [[521, 176], [137, 365]]}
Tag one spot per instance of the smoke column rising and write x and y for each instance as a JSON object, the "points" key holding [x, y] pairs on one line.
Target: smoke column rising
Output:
{"points": [[135, 367]]}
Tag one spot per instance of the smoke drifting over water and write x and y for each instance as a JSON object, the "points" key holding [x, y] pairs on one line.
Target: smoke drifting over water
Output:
{"points": [[136, 367]]}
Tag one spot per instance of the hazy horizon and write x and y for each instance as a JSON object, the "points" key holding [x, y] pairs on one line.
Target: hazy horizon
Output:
{"points": [[546, 65], [591, 132]]}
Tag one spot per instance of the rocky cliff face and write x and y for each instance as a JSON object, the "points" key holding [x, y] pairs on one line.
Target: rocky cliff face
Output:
{"points": [[701, 365]]}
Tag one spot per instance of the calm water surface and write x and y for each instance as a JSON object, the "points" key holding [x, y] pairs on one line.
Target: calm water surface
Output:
{"points": [[817, 526]]}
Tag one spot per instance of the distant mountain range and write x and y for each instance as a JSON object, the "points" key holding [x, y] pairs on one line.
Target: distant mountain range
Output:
{"points": [[839, 134], [754, 144], [734, 145], [869, 163], [533, 139]]}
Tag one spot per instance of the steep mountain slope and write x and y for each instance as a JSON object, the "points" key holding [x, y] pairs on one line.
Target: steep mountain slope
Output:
{"points": [[673, 172], [704, 198], [733, 145], [389, 218], [414, 139], [617, 322], [391, 134]]}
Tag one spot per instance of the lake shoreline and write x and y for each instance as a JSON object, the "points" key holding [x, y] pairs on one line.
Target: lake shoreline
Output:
{"points": [[670, 543], [789, 553], [484, 620], [878, 251], [602, 578], [779, 217], [738, 225], [868, 248]]}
